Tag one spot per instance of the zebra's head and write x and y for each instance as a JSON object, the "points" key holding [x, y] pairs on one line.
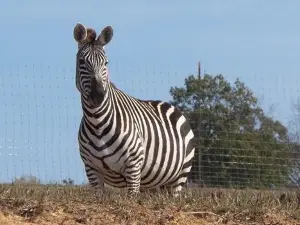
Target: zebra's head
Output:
{"points": [[91, 62]]}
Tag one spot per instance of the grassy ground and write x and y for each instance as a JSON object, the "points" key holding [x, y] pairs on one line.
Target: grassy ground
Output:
{"points": [[77, 205]]}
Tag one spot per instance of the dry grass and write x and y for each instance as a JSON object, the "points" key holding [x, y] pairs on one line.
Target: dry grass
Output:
{"points": [[21, 204]]}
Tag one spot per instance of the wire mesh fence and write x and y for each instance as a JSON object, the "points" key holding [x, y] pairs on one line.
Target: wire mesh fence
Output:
{"points": [[40, 115]]}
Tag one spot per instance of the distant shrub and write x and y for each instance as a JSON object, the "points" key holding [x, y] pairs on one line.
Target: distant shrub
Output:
{"points": [[26, 179]]}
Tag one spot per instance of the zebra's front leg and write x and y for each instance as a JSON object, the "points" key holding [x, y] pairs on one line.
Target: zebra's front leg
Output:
{"points": [[133, 180], [132, 176], [96, 180]]}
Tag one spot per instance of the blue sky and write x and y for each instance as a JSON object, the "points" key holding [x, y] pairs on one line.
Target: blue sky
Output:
{"points": [[156, 44]]}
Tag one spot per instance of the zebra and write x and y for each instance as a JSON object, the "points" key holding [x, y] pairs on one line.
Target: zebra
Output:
{"points": [[124, 141]]}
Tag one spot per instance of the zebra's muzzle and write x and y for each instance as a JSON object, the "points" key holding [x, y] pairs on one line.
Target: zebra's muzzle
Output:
{"points": [[96, 94]]}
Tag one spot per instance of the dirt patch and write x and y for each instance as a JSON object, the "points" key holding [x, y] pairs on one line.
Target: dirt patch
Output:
{"points": [[76, 205]]}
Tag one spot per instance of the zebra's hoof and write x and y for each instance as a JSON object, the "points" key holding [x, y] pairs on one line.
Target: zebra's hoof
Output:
{"points": [[133, 195]]}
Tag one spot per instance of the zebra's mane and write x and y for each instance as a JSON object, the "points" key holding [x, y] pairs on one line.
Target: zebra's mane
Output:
{"points": [[91, 35], [113, 85]]}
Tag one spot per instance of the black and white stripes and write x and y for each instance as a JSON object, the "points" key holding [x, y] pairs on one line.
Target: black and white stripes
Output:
{"points": [[125, 141]]}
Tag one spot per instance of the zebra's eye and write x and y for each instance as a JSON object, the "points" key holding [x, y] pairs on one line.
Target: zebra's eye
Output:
{"points": [[106, 63]]}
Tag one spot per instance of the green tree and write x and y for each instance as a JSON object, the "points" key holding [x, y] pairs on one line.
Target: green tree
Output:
{"points": [[295, 145], [238, 145]]}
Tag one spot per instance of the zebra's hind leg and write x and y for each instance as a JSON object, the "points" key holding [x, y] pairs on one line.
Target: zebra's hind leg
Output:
{"points": [[175, 186], [174, 189]]}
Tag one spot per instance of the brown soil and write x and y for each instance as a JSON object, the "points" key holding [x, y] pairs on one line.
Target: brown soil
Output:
{"points": [[47, 205]]}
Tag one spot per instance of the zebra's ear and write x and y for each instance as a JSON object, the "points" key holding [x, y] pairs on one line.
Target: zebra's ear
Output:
{"points": [[79, 33], [106, 35]]}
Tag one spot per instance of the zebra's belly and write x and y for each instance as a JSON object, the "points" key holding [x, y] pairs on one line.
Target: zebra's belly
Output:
{"points": [[159, 167], [151, 175], [158, 173], [162, 164]]}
